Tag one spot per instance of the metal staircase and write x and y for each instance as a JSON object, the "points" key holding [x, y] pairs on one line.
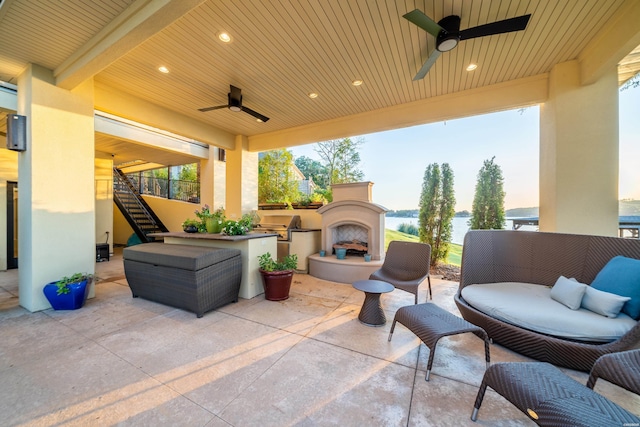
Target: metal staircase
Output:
{"points": [[137, 212]]}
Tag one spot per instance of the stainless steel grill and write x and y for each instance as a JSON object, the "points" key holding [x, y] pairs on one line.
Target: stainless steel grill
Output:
{"points": [[280, 224]]}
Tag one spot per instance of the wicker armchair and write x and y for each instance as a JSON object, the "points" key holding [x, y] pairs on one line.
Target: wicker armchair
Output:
{"points": [[405, 266], [621, 369], [551, 398]]}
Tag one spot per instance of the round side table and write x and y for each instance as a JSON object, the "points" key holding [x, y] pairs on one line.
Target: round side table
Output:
{"points": [[371, 313]]}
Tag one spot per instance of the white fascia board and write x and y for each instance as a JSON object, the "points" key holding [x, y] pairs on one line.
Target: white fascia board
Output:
{"points": [[138, 133], [8, 97]]}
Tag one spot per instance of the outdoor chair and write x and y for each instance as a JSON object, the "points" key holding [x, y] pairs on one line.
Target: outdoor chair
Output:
{"points": [[551, 398], [621, 368], [405, 266]]}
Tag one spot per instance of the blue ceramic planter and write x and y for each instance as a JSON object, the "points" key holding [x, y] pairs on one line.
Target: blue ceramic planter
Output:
{"points": [[341, 253], [70, 301]]}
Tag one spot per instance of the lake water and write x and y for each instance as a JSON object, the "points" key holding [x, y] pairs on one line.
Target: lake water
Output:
{"points": [[459, 225]]}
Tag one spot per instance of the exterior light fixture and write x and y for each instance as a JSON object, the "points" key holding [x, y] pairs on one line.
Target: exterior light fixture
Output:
{"points": [[313, 95], [357, 82], [472, 67], [224, 37], [163, 69]]}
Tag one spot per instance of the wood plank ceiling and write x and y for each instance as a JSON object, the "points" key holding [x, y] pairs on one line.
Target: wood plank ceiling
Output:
{"points": [[282, 50]]}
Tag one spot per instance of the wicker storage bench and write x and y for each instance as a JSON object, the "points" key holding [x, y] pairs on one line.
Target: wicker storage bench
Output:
{"points": [[193, 278]]}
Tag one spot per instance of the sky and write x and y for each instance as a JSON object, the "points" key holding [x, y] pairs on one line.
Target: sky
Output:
{"points": [[395, 161]]}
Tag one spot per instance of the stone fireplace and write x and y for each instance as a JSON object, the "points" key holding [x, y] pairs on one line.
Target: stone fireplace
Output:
{"points": [[351, 217]]}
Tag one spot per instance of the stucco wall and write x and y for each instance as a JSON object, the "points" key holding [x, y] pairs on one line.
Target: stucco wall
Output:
{"points": [[171, 212]]}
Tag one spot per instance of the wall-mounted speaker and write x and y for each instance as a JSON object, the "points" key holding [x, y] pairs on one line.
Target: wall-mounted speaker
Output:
{"points": [[16, 132], [222, 155]]}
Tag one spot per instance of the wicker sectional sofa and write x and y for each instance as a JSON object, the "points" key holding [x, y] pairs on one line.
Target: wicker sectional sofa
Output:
{"points": [[496, 256]]}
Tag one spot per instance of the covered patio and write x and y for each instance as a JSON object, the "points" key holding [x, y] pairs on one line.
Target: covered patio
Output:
{"points": [[86, 75], [92, 78], [303, 361]]}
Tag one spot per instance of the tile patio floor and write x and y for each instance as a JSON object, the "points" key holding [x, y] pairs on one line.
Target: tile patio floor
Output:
{"points": [[306, 361]]}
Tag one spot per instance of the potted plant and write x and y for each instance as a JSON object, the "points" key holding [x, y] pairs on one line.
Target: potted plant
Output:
{"points": [[239, 227], [191, 225], [277, 275], [68, 293], [211, 222]]}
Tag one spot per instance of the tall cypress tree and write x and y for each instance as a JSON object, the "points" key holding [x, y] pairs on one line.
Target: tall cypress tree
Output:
{"points": [[446, 212], [488, 202], [437, 203]]}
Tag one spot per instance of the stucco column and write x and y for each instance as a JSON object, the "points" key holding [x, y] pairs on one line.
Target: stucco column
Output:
{"points": [[242, 179], [213, 179], [579, 154], [56, 177]]}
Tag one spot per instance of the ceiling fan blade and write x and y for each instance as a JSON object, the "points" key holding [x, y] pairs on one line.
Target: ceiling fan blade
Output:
{"points": [[499, 27], [423, 21], [427, 65], [204, 110], [235, 93], [255, 114]]}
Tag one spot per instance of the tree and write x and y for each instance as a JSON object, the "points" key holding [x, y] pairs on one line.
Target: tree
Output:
{"points": [[314, 170], [188, 172], [437, 204], [446, 212], [341, 159], [488, 202], [276, 180]]}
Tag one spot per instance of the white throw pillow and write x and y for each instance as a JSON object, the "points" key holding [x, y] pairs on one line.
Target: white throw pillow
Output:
{"points": [[568, 292], [604, 303]]}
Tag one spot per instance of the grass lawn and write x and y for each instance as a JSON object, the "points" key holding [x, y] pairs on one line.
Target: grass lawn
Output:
{"points": [[455, 251]]}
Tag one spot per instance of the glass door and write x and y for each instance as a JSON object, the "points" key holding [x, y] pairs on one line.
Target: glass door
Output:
{"points": [[12, 224]]}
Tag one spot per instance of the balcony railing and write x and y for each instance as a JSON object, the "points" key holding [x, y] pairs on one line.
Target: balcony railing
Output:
{"points": [[186, 191]]}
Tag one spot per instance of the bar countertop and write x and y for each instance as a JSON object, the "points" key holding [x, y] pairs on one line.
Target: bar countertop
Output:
{"points": [[209, 236]]}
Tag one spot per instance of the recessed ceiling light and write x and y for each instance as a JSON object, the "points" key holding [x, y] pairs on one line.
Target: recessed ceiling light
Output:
{"points": [[259, 120], [313, 95], [224, 37], [163, 69], [472, 67], [357, 82]]}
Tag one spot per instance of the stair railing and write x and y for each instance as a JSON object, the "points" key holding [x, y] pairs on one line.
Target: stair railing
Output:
{"points": [[123, 186]]}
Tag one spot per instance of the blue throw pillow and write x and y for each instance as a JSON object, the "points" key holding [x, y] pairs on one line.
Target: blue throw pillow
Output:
{"points": [[621, 276]]}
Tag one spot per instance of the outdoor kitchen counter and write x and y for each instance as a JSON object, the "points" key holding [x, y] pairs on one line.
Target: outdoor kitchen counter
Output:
{"points": [[251, 246]]}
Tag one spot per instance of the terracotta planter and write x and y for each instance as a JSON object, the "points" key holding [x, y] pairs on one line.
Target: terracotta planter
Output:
{"points": [[276, 284]]}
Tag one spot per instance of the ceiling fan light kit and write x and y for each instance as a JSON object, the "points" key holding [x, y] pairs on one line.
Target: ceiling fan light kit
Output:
{"points": [[447, 33], [449, 38]]}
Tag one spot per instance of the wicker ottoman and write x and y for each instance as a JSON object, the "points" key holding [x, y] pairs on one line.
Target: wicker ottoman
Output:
{"points": [[193, 278], [430, 323], [551, 398]]}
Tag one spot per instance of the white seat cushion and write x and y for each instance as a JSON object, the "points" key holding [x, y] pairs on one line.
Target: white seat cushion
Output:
{"points": [[530, 306]]}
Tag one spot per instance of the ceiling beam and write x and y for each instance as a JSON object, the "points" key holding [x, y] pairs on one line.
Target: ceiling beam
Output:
{"points": [[118, 103], [144, 135], [488, 99], [137, 23], [8, 99], [620, 36]]}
